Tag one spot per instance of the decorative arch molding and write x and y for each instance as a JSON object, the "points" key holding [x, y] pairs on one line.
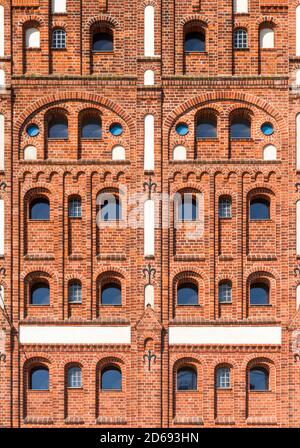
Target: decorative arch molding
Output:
{"points": [[33, 273], [252, 359], [227, 193], [267, 19], [210, 97], [111, 360], [259, 271], [148, 3], [182, 359], [73, 276], [59, 24], [224, 361], [31, 18], [178, 188], [195, 18], [34, 358], [224, 276], [183, 272], [109, 272], [103, 18], [56, 99], [252, 190]]}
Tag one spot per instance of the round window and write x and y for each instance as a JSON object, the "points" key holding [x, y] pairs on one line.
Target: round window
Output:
{"points": [[182, 128], [116, 129], [267, 129], [32, 130]]}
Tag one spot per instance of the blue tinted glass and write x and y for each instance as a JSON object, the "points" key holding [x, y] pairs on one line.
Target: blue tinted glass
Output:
{"points": [[58, 128], [206, 129], [102, 42], [111, 379], [111, 295], [33, 130], [194, 41], [111, 210], [259, 294], [182, 129], [40, 210], [186, 379], [267, 129], [259, 209], [187, 294], [91, 128], [116, 129], [259, 379], [188, 208], [40, 294], [240, 129], [39, 379]]}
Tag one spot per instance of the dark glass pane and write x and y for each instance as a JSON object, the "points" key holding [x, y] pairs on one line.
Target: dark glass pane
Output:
{"points": [[188, 208], [240, 129], [40, 294], [91, 128], [182, 129], [116, 129], [187, 294], [111, 295], [186, 379], [32, 130], [194, 41], [259, 209], [111, 209], [259, 294], [259, 379], [39, 379], [102, 42], [206, 129], [75, 208], [58, 128], [40, 210], [267, 129], [111, 379]]}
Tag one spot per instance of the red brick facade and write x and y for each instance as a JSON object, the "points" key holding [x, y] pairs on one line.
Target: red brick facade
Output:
{"points": [[223, 82]]}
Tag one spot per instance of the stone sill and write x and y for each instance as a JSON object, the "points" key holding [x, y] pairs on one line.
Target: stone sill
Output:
{"points": [[265, 421], [111, 421], [74, 162], [38, 421], [224, 421], [226, 161], [74, 421], [198, 421]]}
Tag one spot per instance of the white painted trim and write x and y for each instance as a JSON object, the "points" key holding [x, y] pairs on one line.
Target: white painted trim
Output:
{"points": [[298, 30], [298, 297], [59, 6], [149, 78], [267, 38], [74, 334], [149, 296], [240, 6], [298, 226], [243, 335], [32, 38], [2, 141], [149, 228], [149, 31], [149, 143], [298, 140], [2, 227], [1, 30]]}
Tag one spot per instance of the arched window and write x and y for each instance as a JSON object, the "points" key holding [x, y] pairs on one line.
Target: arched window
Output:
{"points": [[39, 209], [187, 294], [118, 153], [91, 126], [2, 138], [298, 30], [75, 208], [149, 33], [259, 293], [225, 207], [102, 39], [186, 379], [74, 378], [2, 78], [206, 126], [194, 38], [223, 378], [179, 153], [240, 39], [111, 294], [225, 292], [58, 127], [149, 78], [32, 38], [40, 294], [266, 37], [259, 379], [111, 209], [259, 209], [59, 39], [270, 152], [39, 378], [30, 153], [188, 207], [111, 379], [240, 127], [75, 292]]}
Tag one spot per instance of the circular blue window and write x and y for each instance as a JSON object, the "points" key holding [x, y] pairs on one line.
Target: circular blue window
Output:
{"points": [[182, 128], [116, 129], [32, 130], [267, 129]]}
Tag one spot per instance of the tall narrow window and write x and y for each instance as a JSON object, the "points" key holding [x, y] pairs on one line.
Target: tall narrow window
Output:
{"points": [[59, 39], [225, 207], [298, 227], [225, 292], [111, 209], [259, 379], [267, 37], [2, 139], [39, 378], [187, 379], [32, 38], [75, 208], [2, 227], [188, 207], [75, 292], [149, 143], [149, 31], [149, 228], [74, 378], [223, 378], [1, 30], [240, 39]]}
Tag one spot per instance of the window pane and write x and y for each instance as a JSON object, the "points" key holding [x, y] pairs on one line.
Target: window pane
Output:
{"points": [[91, 128], [74, 377], [194, 41], [186, 379], [111, 379], [59, 39], [111, 209], [40, 210], [75, 208], [58, 128], [223, 378], [259, 294], [259, 379], [206, 129], [102, 42], [225, 293], [240, 39], [225, 208], [111, 295], [259, 209], [40, 294], [188, 208], [240, 129], [187, 294], [75, 292], [39, 379]]}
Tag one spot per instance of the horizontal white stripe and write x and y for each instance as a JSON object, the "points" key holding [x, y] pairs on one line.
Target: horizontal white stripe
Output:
{"points": [[225, 335], [73, 335]]}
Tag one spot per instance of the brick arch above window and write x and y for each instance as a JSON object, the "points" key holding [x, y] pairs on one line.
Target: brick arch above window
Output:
{"points": [[103, 18]]}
